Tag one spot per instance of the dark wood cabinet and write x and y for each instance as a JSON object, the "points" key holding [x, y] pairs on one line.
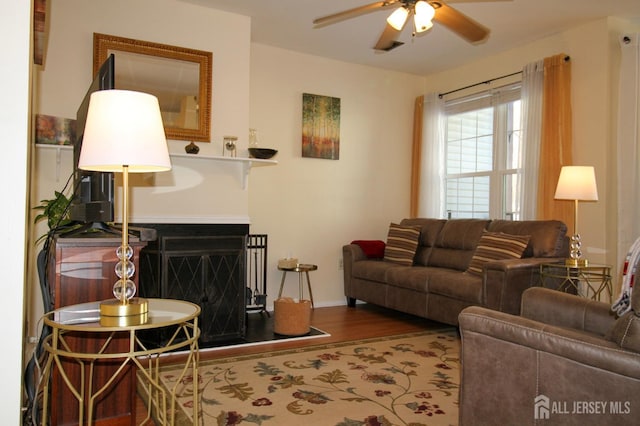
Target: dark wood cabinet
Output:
{"points": [[80, 270]]}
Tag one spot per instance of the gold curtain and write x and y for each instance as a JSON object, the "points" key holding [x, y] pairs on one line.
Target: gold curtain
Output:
{"points": [[556, 138], [416, 155]]}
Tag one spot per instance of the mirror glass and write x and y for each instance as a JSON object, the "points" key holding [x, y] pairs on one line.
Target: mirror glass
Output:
{"points": [[179, 77]]}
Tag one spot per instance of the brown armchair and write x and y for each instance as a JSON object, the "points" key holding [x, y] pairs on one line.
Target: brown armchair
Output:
{"points": [[565, 360]]}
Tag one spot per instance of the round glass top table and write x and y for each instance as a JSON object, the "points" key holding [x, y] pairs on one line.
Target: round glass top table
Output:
{"points": [[181, 317], [300, 268]]}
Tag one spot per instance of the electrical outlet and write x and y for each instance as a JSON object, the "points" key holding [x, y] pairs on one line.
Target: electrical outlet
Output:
{"points": [[340, 264]]}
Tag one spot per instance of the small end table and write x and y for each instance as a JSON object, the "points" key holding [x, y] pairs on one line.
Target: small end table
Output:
{"points": [[84, 319], [300, 268], [596, 279]]}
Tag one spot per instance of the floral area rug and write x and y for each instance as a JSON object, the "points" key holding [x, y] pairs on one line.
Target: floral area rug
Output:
{"points": [[411, 379]]}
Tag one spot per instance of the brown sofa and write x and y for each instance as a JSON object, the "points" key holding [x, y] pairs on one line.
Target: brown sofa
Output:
{"points": [[565, 361], [436, 285]]}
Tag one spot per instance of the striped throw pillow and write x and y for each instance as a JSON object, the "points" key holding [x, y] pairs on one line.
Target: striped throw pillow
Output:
{"points": [[496, 246], [402, 242]]}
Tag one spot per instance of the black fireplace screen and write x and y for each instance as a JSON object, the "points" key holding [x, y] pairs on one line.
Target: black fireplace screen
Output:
{"points": [[206, 270]]}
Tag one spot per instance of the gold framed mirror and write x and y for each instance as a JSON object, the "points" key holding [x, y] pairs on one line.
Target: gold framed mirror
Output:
{"points": [[179, 77]]}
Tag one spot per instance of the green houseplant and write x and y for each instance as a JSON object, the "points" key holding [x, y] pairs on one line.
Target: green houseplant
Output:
{"points": [[55, 210]]}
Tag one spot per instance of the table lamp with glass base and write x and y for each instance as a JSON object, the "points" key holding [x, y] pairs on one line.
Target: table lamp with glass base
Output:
{"points": [[124, 133], [577, 183]]}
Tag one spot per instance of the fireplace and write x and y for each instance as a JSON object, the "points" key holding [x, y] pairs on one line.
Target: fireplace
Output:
{"points": [[203, 264]]}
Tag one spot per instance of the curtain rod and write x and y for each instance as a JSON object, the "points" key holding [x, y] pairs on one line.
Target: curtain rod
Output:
{"points": [[442, 95]]}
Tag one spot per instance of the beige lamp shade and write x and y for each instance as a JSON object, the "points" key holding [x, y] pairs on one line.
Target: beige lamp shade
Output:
{"points": [[577, 183], [124, 128], [398, 18], [423, 14]]}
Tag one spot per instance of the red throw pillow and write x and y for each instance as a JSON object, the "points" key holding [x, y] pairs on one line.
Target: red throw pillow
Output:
{"points": [[373, 249]]}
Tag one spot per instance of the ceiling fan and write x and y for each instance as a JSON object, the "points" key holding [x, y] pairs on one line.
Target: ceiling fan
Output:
{"points": [[423, 12]]}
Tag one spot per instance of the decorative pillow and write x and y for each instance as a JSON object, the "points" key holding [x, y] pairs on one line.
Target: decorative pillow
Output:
{"points": [[402, 243], [373, 249], [496, 246], [626, 329]]}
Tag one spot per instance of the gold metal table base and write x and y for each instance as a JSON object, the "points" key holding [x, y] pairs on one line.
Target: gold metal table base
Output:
{"points": [[589, 280], [85, 318], [300, 269]]}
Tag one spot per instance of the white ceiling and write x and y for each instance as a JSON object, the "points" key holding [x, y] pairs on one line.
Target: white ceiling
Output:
{"points": [[288, 24]]}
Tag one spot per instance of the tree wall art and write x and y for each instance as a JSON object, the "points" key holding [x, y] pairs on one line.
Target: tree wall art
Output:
{"points": [[320, 126]]}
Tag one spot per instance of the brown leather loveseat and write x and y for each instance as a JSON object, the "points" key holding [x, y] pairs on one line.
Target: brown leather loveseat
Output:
{"points": [[437, 281], [565, 360]]}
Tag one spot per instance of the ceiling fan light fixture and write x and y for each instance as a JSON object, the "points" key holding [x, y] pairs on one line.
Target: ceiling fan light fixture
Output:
{"points": [[421, 25], [423, 14], [398, 18]]}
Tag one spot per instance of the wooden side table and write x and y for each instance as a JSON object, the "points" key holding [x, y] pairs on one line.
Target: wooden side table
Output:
{"points": [[587, 281], [300, 268], [81, 269]]}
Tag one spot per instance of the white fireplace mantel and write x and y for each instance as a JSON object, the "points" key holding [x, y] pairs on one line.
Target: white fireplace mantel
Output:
{"points": [[247, 163]]}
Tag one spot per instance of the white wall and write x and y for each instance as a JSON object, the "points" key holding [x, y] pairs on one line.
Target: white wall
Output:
{"points": [[14, 120], [311, 207]]}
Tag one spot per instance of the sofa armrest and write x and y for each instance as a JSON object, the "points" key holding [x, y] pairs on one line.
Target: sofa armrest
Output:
{"points": [[584, 348], [350, 253], [527, 262], [504, 281], [567, 310], [509, 361]]}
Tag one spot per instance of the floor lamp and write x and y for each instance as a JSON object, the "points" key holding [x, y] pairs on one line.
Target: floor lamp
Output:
{"points": [[577, 183], [124, 134]]}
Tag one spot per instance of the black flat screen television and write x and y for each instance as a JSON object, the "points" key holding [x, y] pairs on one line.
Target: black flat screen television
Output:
{"points": [[93, 191]]}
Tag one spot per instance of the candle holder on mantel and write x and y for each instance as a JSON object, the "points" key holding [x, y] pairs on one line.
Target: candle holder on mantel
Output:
{"points": [[253, 138], [229, 143]]}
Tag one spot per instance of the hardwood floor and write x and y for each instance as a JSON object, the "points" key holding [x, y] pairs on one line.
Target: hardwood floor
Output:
{"points": [[341, 322]]}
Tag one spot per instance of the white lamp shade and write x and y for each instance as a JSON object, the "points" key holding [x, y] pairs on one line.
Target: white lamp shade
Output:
{"points": [[124, 128], [577, 183], [423, 14], [398, 18]]}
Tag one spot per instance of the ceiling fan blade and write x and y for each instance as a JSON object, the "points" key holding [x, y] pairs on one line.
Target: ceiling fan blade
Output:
{"points": [[387, 40], [459, 23], [351, 13]]}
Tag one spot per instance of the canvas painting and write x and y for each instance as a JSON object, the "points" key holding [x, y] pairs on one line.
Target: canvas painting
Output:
{"points": [[320, 126], [55, 130]]}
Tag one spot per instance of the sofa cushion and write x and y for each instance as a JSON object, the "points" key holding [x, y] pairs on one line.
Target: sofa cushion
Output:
{"points": [[372, 269], [402, 242], [456, 243], [410, 277], [456, 285], [547, 237], [496, 246], [429, 231]]}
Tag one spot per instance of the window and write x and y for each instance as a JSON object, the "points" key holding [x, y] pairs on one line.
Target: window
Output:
{"points": [[482, 155]]}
